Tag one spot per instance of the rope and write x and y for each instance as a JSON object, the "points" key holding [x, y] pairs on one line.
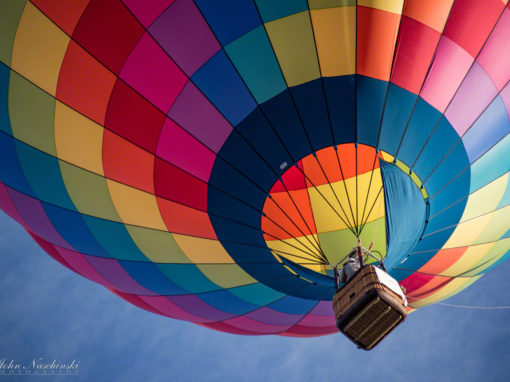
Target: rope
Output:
{"points": [[376, 224], [327, 201], [343, 181], [371, 208], [473, 307], [332, 188], [368, 192], [466, 306]]}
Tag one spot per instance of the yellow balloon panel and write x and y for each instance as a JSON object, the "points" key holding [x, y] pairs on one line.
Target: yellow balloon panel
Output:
{"points": [[497, 226], [335, 36], [226, 275], [302, 250], [468, 260], [394, 6], [79, 140], [466, 233], [135, 207], [39, 48], [203, 251], [498, 250], [485, 199], [356, 194]]}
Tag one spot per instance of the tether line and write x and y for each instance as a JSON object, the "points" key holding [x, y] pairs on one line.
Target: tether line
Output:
{"points": [[299, 257], [302, 217], [308, 250], [327, 201], [344, 181], [464, 306], [332, 189], [294, 223], [371, 208], [368, 192], [356, 227]]}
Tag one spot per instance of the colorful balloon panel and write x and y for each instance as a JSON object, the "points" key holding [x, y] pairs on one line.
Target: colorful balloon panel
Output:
{"points": [[210, 161]]}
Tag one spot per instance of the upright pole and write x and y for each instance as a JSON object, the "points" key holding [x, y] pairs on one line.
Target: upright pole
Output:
{"points": [[360, 253]]}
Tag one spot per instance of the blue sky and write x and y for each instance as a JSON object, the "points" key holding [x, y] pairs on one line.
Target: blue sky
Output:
{"points": [[48, 311]]}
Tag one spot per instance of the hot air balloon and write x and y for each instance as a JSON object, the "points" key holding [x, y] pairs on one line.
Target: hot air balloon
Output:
{"points": [[212, 160]]}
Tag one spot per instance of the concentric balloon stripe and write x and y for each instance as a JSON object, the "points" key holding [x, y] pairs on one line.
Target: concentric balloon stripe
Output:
{"points": [[310, 213], [140, 142]]}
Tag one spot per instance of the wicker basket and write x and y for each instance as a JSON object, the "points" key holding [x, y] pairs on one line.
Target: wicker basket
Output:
{"points": [[366, 310]]}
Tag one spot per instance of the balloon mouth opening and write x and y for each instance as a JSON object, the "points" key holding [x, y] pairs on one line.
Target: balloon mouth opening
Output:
{"points": [[315, 212]]}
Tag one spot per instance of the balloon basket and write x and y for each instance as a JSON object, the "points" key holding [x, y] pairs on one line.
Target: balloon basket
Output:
{"points": [[366, 309]]}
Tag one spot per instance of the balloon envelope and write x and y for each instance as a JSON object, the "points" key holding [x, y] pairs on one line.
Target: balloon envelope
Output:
{"points": [[211, 160]]}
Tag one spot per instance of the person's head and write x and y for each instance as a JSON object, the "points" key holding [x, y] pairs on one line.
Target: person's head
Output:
{"points": [[351, 261]]}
